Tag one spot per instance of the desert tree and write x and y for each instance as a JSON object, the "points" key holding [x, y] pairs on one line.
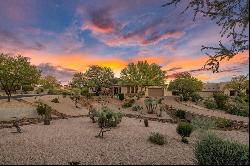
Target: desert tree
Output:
{"points": [[185, 85], [49, 82], [143, 74], [16, 71], [99, 77], [78, 81], [238, 83], [232, 16]]}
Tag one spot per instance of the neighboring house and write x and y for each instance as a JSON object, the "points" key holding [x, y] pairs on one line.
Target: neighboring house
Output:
{"points": [[210, 88], [151, 91]]}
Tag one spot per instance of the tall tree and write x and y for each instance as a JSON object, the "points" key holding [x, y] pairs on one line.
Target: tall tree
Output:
{"points": [[143, 74], [233, 18], [49, 82], [16, 71], [239, 84], [185, 84], [99, 77], [79, 81]]}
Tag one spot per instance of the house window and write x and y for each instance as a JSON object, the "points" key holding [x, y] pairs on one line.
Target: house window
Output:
{"points": [[232, 93], [128, 89], [132, 89], [136, 89]]}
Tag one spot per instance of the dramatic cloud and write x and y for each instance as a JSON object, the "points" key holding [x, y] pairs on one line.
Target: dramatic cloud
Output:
{"points": [[61, 73], [13, 41], [68, 36]]}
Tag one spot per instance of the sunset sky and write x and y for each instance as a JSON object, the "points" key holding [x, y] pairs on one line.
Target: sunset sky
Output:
{"points": [[64, 37]]}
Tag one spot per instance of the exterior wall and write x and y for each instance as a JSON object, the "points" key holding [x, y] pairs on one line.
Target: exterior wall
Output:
{"points": [[124, 90], [206, 94]]}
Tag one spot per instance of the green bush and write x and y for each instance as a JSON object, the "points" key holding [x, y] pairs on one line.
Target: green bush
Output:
{"points": [[107, 118], [140, 94], [203, 123], [27, 88], [137, 108], [238, 108], [93, 114], [53, 92], [223, 123], [180, 114], [157, 138], [45, 111], [145, 122], [212, 150], [196, 97], [55, 100], [184, 129], [128, 103], [210, 104], [121, 96], [221, 99], [39, 90]]}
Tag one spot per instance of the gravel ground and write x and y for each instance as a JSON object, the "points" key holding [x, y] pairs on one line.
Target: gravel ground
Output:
{"points": [[15, 109], [74, 140], [66, 105]]}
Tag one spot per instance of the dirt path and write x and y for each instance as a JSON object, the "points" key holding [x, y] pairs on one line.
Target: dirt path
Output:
{"points": [[203, 111]]}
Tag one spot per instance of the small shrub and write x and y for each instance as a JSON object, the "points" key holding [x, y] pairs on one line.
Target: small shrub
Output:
{"points": [[212, 150], [161, 110], [93, 114], [145, 122], [196, 97], [39, 90], [140, 94], [107, 118], [157, 138], [180, 114], [184, 129], [137, 108], [210, 104], [45, 111], [121, 96], [223, 123], [221, 99], [128, 103], [55, 100], [203, 123], [238, 108], [160, 100]]}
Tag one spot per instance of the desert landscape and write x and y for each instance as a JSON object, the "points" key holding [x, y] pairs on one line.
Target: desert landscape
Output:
{"points": [[128, 82]]}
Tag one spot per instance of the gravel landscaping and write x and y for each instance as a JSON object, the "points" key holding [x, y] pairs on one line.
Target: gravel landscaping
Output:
{"points": [[74, 140], [8, 110]]}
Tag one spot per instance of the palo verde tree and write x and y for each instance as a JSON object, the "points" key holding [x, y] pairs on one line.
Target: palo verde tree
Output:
{"points": [[232, 16], [185, 85], [142, 74], [16, 71], [239, 84]]}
